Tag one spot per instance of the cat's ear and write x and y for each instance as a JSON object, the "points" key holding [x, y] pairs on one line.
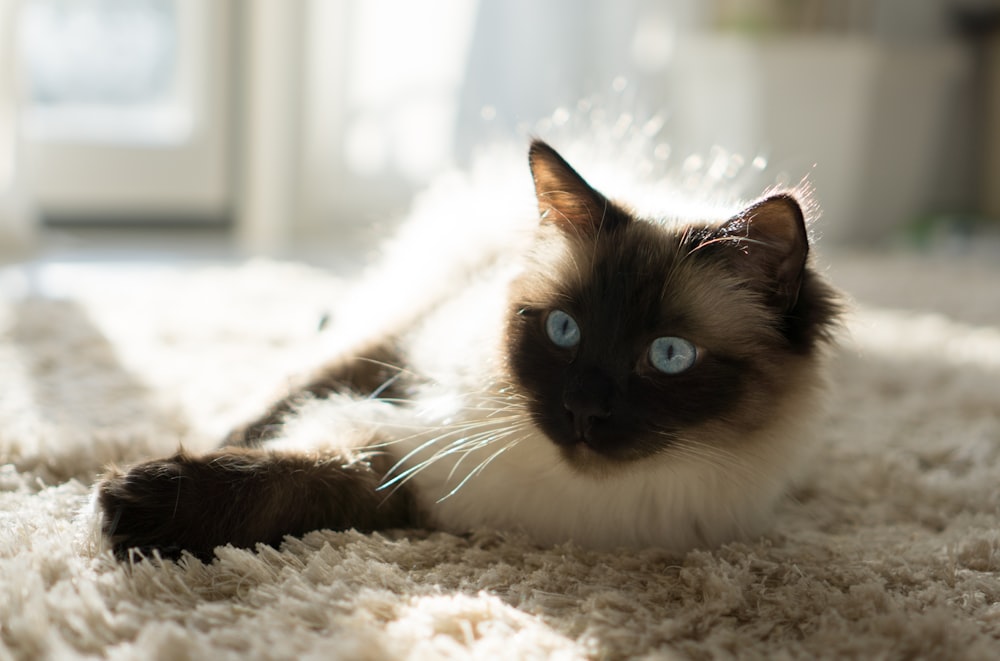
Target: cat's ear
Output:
{"points": [[771, 244], [565, 198]]}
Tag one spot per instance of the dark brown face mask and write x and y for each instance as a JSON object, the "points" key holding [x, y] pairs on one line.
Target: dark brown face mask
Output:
{"points": [[626, 333]]}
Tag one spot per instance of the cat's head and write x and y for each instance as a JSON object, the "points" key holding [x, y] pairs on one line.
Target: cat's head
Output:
{"points": [[629, 336]]}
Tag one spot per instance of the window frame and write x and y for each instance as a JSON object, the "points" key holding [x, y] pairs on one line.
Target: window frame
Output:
{"points": [[75, 177]]}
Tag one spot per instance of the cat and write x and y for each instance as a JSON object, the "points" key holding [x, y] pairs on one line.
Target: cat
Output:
{"points": [[609, 380]]}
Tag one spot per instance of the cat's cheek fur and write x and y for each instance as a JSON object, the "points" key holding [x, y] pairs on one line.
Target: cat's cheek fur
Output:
{"points": [[677, 501]]}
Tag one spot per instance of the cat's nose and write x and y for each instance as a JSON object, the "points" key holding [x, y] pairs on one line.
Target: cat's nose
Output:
{"points": [[589, 402], [585, 417]]}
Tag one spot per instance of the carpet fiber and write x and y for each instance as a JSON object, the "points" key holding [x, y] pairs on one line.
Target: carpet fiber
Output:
{"points": [[890, 549]]}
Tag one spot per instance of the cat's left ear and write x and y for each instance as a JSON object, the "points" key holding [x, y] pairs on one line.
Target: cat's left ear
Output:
{"points": [[772, 245], [565, 199]]}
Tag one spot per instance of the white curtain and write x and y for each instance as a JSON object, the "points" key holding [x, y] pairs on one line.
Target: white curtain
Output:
{"points": [[840, 93], [395, 92]]}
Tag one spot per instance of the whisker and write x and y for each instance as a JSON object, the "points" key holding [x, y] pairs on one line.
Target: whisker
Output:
{"points": [[465, 446], [382, 363], [490, 440], [409, 455], [448, 449], [479, 468], [385, 386]]}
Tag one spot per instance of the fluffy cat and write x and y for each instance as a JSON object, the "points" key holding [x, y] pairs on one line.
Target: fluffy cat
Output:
{"points": [[608, 379]]}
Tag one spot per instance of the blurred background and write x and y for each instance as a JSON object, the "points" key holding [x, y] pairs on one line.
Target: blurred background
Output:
{"points": [[287, 126]]}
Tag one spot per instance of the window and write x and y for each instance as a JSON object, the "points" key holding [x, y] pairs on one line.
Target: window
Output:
{"points": [[126, 107]]}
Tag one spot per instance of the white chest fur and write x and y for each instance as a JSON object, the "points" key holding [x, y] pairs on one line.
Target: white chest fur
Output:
{"points": [[517, 480]]}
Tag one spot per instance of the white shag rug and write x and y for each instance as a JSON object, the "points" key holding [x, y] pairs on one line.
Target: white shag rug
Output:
{"points": [[891, 549]]}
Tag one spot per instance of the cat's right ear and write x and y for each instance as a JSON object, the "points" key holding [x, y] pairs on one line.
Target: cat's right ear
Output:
{"points": [[771, 245], [565, 199]]}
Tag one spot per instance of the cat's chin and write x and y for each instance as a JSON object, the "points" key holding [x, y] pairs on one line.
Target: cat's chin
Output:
{"points": [[604, 452], [586, 460]]}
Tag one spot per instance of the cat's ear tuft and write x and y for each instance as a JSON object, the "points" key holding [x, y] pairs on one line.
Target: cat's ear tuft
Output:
{"points": [[564, 197], [772, 245]]}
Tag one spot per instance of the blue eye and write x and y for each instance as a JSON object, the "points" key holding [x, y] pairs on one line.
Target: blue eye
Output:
{"points": [[562, 329], [672, 355]]}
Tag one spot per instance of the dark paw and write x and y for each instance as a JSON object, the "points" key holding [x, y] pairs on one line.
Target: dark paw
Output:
{"points": [[243, 497], [154, 506]]}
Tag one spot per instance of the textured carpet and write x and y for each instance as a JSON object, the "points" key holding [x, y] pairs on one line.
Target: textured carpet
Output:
{"points": [[890, 549]]}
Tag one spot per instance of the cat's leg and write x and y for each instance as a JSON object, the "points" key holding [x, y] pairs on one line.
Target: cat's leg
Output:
{"points": [[370, 372], [243, 497]]}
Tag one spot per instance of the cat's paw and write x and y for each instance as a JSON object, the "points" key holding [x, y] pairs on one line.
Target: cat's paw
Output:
{"points": [[153, 506]]}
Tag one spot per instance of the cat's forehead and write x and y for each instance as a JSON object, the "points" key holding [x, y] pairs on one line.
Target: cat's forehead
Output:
{"points": [[647, 279]]}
